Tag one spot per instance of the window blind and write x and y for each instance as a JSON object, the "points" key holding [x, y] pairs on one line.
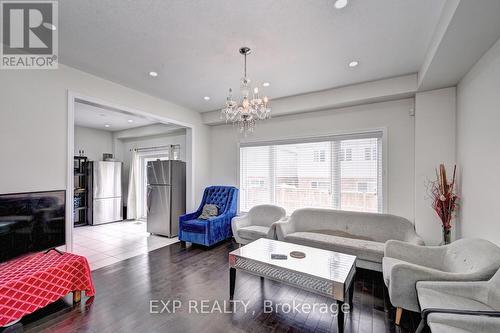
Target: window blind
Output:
{"points": [[340, 172]]}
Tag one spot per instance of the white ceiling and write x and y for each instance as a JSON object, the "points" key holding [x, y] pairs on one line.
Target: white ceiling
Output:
{"points": [[298, 46], [97, 117], [472, 23]]}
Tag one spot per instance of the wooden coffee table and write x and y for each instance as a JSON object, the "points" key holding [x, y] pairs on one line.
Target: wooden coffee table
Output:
{"points": [[323, 272]]}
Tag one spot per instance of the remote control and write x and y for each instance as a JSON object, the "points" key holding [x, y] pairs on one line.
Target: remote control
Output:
{"points": [[278, 256]]}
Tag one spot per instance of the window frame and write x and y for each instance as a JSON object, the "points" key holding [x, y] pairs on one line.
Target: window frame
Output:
{"points": [[340, 135]]}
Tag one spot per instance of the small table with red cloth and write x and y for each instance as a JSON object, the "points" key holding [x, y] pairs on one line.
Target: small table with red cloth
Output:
{"points": [[33, 281]]}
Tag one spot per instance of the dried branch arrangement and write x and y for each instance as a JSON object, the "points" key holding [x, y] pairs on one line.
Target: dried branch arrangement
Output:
{"points": [[444, 197]]}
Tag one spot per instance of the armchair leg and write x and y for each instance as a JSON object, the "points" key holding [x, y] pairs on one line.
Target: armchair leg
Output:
{"points": [[421, 326], [399, 313]]}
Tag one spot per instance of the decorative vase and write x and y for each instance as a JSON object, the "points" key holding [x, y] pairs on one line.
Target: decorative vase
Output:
{"points": [[446, 236]]}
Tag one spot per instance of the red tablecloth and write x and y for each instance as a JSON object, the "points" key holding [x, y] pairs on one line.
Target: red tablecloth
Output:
{"points": [[31, 282]]}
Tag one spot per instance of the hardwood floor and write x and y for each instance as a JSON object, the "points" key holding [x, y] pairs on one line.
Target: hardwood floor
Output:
{"points": [[124, 291]]}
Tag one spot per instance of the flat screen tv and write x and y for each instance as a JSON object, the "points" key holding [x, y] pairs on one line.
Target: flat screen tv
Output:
{"points": [[31, 222]]}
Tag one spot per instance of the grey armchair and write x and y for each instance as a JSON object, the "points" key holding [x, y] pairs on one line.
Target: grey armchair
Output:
{"points": [[470, 306], [257, 223], [405, 264]]}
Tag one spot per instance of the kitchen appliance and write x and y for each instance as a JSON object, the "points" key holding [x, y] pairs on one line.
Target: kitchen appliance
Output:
{"points": [[106, 204], [31, 222], [166, 196]]}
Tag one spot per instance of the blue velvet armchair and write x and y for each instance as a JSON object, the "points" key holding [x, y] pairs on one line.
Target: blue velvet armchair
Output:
{"points": [[215, 229]]}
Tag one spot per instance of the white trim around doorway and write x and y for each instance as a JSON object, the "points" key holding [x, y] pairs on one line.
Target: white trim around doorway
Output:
{"points": [[190, 157]]}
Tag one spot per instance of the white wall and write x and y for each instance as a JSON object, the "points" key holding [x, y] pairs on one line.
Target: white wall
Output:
{"points": [[478, 143], [394, 116], [435, 124], [93, 141], [33, 125]]}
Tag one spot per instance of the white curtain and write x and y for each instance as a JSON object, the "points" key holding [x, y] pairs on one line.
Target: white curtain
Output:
{"points": [[134, 197]]}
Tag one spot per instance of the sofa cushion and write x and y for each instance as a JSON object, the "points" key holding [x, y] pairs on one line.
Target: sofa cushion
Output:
{"points": [[209, 210], [340, 233], [363, 249], [433, 299], [460, 323], [253, 232], [196, 226]]}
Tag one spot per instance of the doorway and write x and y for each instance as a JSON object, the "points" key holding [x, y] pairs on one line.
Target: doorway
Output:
{"points": [[148, 155], [130, 131]]}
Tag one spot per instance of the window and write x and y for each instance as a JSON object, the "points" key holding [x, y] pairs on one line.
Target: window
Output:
{"points": [[374, 153], [325, 186], [319, 156], [256, 183], [349, 176], [368, 154], [367, 187], [346, 154]]}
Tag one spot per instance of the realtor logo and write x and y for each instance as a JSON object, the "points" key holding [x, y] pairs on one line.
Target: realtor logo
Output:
{"points": [[29, 38]]}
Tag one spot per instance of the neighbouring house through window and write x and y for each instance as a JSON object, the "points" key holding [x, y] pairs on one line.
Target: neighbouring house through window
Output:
{"points": [[319, 156], [340, 172]]}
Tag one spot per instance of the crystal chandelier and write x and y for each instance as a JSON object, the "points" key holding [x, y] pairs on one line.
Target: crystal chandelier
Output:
{"points": [[251, 108]]}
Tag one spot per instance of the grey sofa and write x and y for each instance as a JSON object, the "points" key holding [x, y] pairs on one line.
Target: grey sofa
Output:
{"points": [[463, 260], [257, 223], [454, 306], [355, 233]]}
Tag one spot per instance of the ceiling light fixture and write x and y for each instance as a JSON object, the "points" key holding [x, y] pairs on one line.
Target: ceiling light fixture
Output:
{"points": [[353, 63], [130, 121], [206, 98], [339, 4], [153, 74], [107, 125], [251, 108], [266, 84]]}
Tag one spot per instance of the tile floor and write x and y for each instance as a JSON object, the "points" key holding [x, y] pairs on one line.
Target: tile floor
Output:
{"points": [[106, 244]]}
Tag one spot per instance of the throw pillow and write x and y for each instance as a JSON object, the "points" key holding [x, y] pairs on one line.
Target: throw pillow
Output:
{"points": [[209, 211]]}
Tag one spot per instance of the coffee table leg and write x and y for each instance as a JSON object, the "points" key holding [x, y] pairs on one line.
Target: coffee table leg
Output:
{"points": [[340, 317], [232, 280], [351, 294]]}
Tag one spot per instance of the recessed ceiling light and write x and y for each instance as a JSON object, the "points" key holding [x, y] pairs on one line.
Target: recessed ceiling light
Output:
{"points": [[353, 63], [206, 98], [153, 74], [107, 125], [266, 84], [339, 4], [130, 121]]}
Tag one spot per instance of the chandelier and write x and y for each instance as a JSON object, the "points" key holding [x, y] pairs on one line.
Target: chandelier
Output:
{"points": [[252, 108]]}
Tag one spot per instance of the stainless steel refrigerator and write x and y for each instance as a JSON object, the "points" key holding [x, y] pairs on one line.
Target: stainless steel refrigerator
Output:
{"points": [[106, 203], [166, 196]]}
